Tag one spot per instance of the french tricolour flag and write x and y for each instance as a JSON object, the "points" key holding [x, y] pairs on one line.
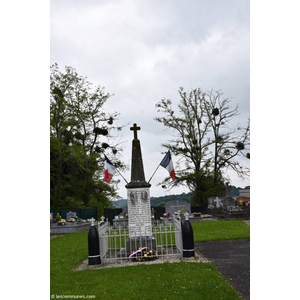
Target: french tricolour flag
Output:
{"points": [[168, 164], [110, 170]]}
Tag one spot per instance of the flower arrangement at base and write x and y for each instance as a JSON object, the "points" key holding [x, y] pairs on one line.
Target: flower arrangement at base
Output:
{"points": [[72, 220], [197, 214], [62, 222], [166, 215], [143, 254]]}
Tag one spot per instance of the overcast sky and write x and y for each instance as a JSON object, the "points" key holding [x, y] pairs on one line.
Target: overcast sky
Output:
{"points": [[143, 51]]}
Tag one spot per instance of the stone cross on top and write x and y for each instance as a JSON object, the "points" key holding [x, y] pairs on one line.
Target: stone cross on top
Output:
{"points": [[135, 128]]}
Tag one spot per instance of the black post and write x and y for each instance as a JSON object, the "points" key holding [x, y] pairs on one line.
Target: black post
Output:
{"points": [[187, 238], [93, 244]]}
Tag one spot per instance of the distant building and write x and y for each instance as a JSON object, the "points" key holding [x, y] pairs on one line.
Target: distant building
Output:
{"points": [[244, 196], [241, 200], [244, 192]]}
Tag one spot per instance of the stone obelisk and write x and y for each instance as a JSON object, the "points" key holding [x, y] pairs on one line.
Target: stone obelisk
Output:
{"points": [[137, 167], [138, 201]]}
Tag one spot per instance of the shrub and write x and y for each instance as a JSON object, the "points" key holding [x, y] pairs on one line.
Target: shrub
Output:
{"points": [[57, 218]]}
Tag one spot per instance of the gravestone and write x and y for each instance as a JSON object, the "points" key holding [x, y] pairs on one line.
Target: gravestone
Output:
{"points": [[125, 209], [174, 206], [121, 221], [217, 201], [228, 201], [70, 215], [211, 201], [138, 201]]}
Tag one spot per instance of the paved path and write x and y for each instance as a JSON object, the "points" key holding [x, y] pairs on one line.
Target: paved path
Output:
{"points": [[232, 259], [247, 222]]}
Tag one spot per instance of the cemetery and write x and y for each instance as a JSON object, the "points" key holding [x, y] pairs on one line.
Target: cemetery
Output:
{"points": [[159, 253], [149, 151], [71, 224], [228, 208]]}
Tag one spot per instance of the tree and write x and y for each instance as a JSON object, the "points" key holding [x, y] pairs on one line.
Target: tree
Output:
{"points": [[199, 141], [80, 132], [228, 143]]}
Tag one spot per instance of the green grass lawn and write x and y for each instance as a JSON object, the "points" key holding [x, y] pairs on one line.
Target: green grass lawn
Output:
{"points": [[220, 230], [203, 231], [168, 281]]}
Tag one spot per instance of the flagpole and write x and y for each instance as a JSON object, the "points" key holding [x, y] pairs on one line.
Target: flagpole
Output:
{"points": [[157, 168], [153, 173], [122, 175]]}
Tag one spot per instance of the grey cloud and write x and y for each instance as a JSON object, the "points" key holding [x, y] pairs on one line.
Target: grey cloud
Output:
{"points": [[143, 51]]}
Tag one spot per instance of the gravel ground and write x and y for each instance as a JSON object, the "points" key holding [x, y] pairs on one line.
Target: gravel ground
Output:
{"points": [[247, 222], [52, 236], [126, 263]]}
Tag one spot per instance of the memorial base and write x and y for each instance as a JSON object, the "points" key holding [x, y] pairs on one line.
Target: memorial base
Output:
{"points": [[188, 253], [134, 243], [94, 261]]}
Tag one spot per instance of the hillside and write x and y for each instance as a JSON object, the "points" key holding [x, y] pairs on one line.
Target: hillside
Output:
{"points": [[119, 203], [156, 201], [162, 200]]}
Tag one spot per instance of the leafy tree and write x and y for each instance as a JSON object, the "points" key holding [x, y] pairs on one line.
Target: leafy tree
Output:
{"points": [[80, 132], [201, 143]]}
